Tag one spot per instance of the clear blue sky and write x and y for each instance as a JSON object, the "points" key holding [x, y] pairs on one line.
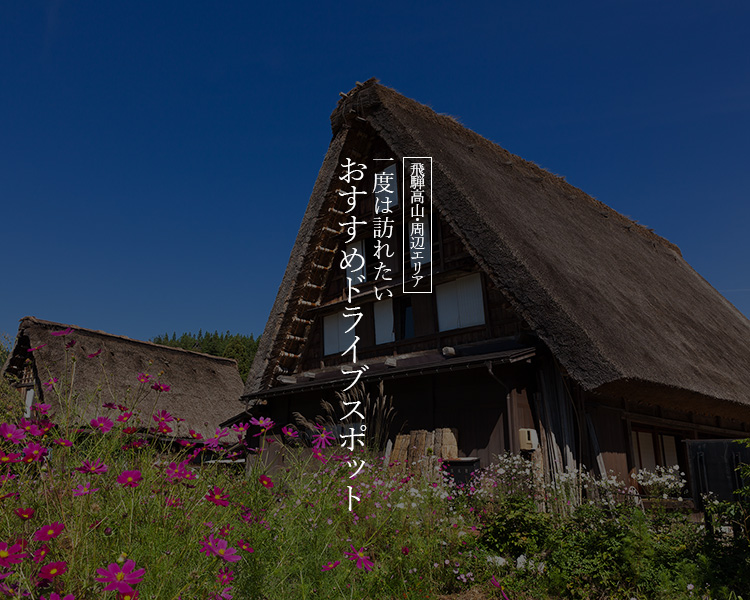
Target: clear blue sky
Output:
{"points": [[156, 158]]}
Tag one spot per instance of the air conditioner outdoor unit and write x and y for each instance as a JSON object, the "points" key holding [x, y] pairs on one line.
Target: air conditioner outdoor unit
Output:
{"points": [[529, 439]]}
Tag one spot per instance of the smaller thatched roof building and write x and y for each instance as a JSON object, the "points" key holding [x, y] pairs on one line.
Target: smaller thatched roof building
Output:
{"points": [[102, 368]]}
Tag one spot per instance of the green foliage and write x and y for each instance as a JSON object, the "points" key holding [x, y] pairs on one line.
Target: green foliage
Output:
{"points": [[6, 345], [240, 347], [515, 526]]}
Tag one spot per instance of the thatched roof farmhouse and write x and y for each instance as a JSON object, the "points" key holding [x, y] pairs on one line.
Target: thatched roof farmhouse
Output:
{"points": [[203, 389], [585, 326]]}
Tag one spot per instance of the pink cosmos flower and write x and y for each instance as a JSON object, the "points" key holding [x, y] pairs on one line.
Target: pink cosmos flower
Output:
{"points": [[95, 354], [50, 383], [225, 575], [42, 409], [109, 405], [25, 513], [265, 423], [84, 489], [63, 442], [330, 566], [120, 578], [129, 478], [102, 423], [363, 562], [11, 433], [97, 468], [217, 496], [218, 547], [9, 458], [221, 433], [323, 439], [162, 416], [320, 456], [124, 417], [36, 348], [289, 431], [70, 344], [45, 426], [131, 595], [173, 502], [10, 555], [212, 443], [34, 452], [265, 480], [49, 532], [163, 428], [195, 435], [129, 430], [245, 546], [143, 377], [404, 550], [160, 387], [52, 570], [41, 553], [67, 331]]}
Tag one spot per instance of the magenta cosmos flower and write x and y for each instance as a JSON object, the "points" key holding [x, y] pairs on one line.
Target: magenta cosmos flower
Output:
{"points": [[95, 354], [265, 481], [11, 555], [363, 562], [217, 496], [218, 547], [13, 457], [162, 416], [160, 387], [143, 377], [245, 546], [289, 431], [49, 532], [53, 569], [120, 578], [102, 423], [25, 513], [41, 553], [50, 383], [129, 478], [330, 566], [11, 433], [97, 468], [323, 439], [84, 489], [34, 452]]}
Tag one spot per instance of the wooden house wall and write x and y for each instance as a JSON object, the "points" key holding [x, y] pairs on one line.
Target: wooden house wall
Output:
{"points": [[612, 440]]}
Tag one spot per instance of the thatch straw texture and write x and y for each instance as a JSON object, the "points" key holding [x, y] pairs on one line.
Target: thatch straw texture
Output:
{"points": [[204, 389]]}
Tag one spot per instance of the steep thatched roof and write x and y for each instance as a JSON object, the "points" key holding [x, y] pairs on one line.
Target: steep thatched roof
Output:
{"points": [[616, 304], [204, 389]]}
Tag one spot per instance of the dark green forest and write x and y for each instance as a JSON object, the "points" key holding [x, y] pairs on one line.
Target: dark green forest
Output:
{"points": [[240, 347]]}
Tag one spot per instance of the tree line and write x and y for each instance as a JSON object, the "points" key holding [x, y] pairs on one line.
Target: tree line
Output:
{"points": [[241, 348]]}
